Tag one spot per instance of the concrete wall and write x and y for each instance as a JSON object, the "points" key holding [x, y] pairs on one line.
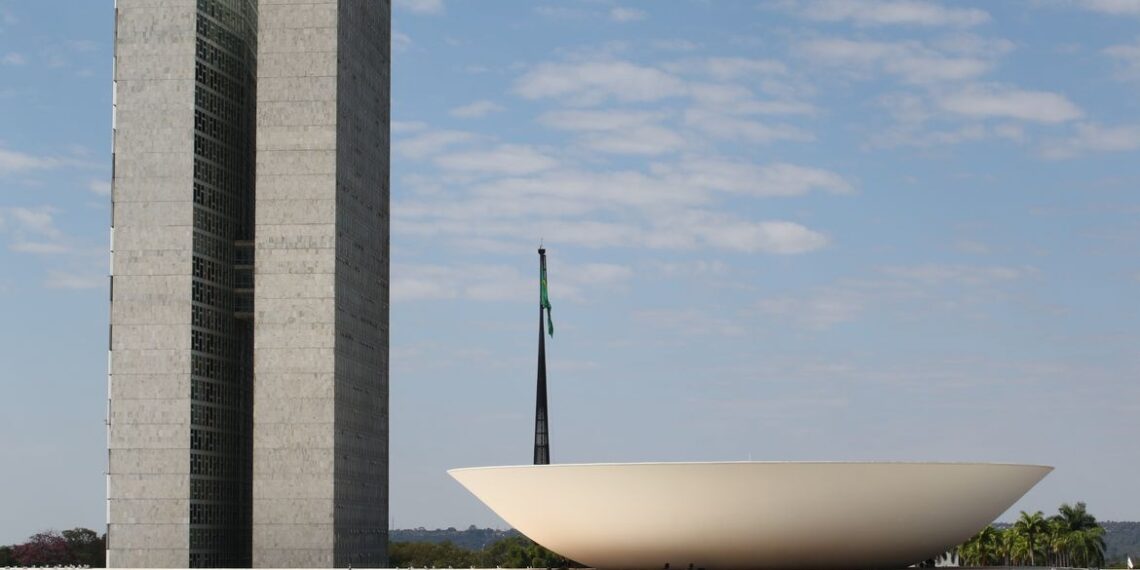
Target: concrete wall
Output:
{"points": [[320, 338], [320, 365], [295, 285], [149, 383]]}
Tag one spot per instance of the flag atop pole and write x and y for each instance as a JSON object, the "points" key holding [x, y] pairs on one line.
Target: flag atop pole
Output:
{"points": [[1129, 563], [541, 421], [544, 294]]}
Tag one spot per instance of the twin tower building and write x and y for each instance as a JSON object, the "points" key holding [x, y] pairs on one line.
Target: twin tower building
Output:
{"points": [[248, 375]]}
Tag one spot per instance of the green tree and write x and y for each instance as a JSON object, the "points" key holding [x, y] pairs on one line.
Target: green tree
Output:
{"points": [[86, 547], [983, 549], [7, 557], [426, 554], [522, 552], [43, 549], [1077, 537], [1032, 532]]}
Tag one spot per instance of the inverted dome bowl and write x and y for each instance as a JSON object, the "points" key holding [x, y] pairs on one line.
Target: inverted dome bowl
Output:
{"points": [[777, 515]]}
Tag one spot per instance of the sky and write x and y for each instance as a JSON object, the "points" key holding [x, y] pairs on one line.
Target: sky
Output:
{"points": [[787, 230]]}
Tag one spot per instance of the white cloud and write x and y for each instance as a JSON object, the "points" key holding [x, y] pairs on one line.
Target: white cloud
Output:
{"points": [[617, 131], [497, 282], [12, 162], [13, 59], [65, 280], [619, 14], [972, 247], [595, 82], [601, 274], [675, 45], [39, 221], [100, 187], [507, 159], [421, 6], [404, 127], [625, 209], [422, 282], [430, 143], [34, 231], [1091, 137], [918, 135], [728, 68], [729, 127], [488, 195], [400, 41], [1128, 56], [1010, 103], [911, 61], [561, 12], [972, 44], [700, 269], [1112, 7], [904, 292], [39, 248], [972, 275], [778, 179], [758, 107], [598, 120], [83, 46], [719, 95], [820, 310], [690, 322], [644, 140], [568, 193], [477, 109], [779, 237], [890, 12]]}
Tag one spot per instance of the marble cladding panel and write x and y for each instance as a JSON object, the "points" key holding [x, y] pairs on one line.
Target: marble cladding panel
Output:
{"points": [[125, 557], [145, 536], [151, 511], [136, 487]]}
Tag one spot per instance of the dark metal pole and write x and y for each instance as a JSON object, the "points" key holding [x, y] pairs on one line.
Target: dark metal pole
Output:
{"points": [[541, 427]]}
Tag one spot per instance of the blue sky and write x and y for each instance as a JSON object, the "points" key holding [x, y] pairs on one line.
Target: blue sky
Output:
{"points": [[896, 230]]}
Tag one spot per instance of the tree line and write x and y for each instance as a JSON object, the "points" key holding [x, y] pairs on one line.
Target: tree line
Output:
{"points": [[78, 547], [1070, 538], [510, 552], [85, 547]]}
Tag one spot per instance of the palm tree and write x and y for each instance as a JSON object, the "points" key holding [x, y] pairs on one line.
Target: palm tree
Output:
{"points": [[1058, 541], [1079, 536], [1034, 530], [983, 548], [1088, 547], [1070, 538], [1005, 546]]}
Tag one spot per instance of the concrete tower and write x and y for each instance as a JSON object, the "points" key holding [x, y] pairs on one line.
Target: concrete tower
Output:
{"points": [[321, 335], [248, 375]]}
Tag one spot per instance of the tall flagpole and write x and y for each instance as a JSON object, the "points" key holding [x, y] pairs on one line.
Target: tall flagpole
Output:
{"points": [[541, 427]]}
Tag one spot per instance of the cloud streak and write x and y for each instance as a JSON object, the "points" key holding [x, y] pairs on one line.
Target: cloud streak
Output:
{"points": [[871, 13]]}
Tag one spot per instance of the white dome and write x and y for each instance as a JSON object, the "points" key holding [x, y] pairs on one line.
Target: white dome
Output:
{"points": [[772, 515]]}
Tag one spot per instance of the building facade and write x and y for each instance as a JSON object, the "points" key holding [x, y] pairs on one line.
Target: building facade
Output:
{"points": [[248, 373]]}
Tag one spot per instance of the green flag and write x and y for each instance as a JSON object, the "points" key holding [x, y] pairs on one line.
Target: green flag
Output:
{"points": [[544, 302]]}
